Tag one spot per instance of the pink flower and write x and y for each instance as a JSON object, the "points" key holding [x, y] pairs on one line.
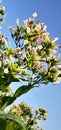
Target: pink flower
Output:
{"points": [[11, 28]]}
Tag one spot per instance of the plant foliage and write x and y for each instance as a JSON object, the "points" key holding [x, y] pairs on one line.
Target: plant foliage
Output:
{"points": [[32, 61]]}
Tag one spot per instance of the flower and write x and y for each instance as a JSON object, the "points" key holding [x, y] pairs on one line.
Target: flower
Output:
{"points": [[11, 28], [6, 70], [55, 39], [38, 27], [58, 80], [59, 66], [45, 27], [39, 47], [25, 22], [17, 21], [24, 54], [4, 40], [28, 30], [53, 51], [46, 36], [25, 42], [34, 14], [58, 55], [30, 19], [2, 8], [33, 76]]}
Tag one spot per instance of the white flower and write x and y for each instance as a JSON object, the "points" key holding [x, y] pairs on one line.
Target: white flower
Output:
{"points": [[33, 76], [5, 41], [30, 19], [3, 8], [24, 54], [28, 30], [25, 42], [17, 21], [38, 27], [54, 51], [46, 36], [6, 60], [6, 70], [59, 66], [25, 22], [45, 27], [58, 55], [55, 39], [58, 80], [34, 14], [39, 47]]}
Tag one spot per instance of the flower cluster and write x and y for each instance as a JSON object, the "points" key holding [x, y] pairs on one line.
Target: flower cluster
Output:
{"points": [[33, 61], [29, 115], [39, 50]]}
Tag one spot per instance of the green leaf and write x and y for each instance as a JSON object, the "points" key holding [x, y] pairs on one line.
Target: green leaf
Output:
{"points": [[6, 80], [5, 101], [22, 90], [11, 122]]}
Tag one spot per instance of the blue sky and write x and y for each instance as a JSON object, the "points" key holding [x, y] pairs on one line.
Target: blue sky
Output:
{"points": [[49, 13]]}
